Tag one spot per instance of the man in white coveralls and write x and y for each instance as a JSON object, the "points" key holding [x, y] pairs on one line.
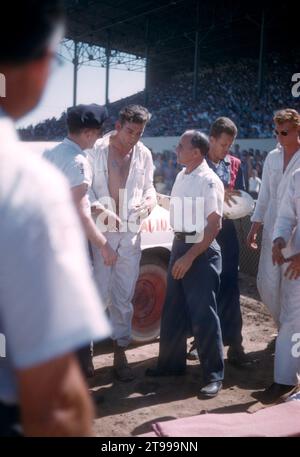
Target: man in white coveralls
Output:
{"points": [[278, 168], [122, 182]]}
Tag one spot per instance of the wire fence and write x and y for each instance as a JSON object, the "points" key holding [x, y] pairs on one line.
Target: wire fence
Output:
{"points": [[248, 257]]}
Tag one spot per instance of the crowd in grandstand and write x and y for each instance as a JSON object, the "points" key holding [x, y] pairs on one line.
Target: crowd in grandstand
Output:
{"points": [[229, 89]]}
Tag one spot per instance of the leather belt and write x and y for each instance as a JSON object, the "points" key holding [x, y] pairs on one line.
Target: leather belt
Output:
{"points": [[180, 236]]}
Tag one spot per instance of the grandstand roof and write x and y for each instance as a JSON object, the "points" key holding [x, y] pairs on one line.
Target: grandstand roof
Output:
{"points": [[227, 27]]}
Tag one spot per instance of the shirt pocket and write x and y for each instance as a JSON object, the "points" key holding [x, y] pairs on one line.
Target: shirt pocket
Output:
{"points": [[101, 177], [140, 177]]}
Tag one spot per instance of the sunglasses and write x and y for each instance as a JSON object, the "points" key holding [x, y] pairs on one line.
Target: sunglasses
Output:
{"points": [[282, 132]]}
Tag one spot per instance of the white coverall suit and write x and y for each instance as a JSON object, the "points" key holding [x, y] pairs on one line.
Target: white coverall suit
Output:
{"points": [[274, 184], [287, 226], [116, 284]]}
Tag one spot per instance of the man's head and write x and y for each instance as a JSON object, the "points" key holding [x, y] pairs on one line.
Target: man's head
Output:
{"points": [[192, 147], [287, 127], [221, 136], [26, 53], [85, 124], [131, 124]]}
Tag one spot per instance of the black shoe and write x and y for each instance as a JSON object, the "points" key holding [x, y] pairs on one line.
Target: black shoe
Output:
{"points": [[157, 372], [273, 393], [122, 370], [211, 389], [236, 356]]}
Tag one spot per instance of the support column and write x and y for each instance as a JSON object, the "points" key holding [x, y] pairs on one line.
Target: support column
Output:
{"points": [[261, 55], [147, 64], [108, 51], [196, 55], [75, 72]]}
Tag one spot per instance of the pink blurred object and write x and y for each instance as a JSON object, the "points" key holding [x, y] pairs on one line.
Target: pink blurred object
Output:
{"points": [[275, 421]]}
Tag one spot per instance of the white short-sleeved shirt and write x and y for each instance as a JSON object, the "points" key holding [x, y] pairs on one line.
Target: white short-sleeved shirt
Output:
{"points": [[201, 193], [72, 161], [48, 302]]}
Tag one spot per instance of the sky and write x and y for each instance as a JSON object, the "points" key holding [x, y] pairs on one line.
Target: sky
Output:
{"points": [[91, 89]]}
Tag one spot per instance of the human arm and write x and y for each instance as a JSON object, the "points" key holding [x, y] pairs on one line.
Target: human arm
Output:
{"points": [[80, 198], [54, 399], [184, 263]]}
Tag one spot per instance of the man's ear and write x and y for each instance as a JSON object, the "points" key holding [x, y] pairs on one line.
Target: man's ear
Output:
{"points": [[118, 126], [212, 140]]}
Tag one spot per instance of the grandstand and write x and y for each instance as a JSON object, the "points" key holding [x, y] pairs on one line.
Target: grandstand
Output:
{"points": [[228, 89]]}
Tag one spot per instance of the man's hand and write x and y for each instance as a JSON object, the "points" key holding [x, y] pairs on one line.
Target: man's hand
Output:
{"points": [[293, 270], [107, 220], [182, 266], [229, 196], [277, 256], [144, 209], [252, 236], [109, 255]]}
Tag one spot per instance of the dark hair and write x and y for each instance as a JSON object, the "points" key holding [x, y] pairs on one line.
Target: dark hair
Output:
{"points": [[223, 125], [32, 24], [134, 113], [199, 140]]}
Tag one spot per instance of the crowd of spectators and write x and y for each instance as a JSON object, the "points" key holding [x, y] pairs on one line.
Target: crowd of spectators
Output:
{"points": [[225, 89]]}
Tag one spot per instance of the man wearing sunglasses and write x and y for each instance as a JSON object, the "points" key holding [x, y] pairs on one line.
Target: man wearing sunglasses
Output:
{"points": [[278, 169]]}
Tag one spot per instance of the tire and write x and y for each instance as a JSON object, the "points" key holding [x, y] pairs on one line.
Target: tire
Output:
{"points": [[148, 300]]}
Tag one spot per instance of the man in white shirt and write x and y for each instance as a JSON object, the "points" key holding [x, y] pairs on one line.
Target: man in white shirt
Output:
{"points": [[85, 123], [286, 248], [123, 184], [194, 268], [49, 307], [278, 168], [254, 184]]}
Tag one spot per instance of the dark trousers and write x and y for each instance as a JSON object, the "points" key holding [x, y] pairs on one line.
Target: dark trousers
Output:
{"points": [[9, 421], [85, 358], [190, 304], [229, 307]]}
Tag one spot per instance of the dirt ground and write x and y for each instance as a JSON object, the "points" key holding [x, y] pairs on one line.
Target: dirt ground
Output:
{"points": [[129, 409]]}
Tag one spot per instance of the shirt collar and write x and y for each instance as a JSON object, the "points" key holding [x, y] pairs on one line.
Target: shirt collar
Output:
{"points": [[226, 162], [200, 169], [74, 145]]}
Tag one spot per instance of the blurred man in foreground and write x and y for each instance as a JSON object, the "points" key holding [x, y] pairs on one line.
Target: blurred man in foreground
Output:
{"points": [[48, 305]]}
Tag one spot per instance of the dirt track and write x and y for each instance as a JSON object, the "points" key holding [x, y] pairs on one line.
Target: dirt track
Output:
{"points": [[129, 409]]}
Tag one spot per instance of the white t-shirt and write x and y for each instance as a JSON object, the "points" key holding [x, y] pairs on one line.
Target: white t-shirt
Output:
{"points": [[194, 197], [48, 302], [254, 184], [72, 161]]}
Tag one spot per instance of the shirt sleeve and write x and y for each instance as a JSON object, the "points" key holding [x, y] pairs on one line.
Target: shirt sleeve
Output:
{"points": [[287, 218], [91, 155], [79, 172], [51, 306], [264, 194], [149, 189], [213, 197]]}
